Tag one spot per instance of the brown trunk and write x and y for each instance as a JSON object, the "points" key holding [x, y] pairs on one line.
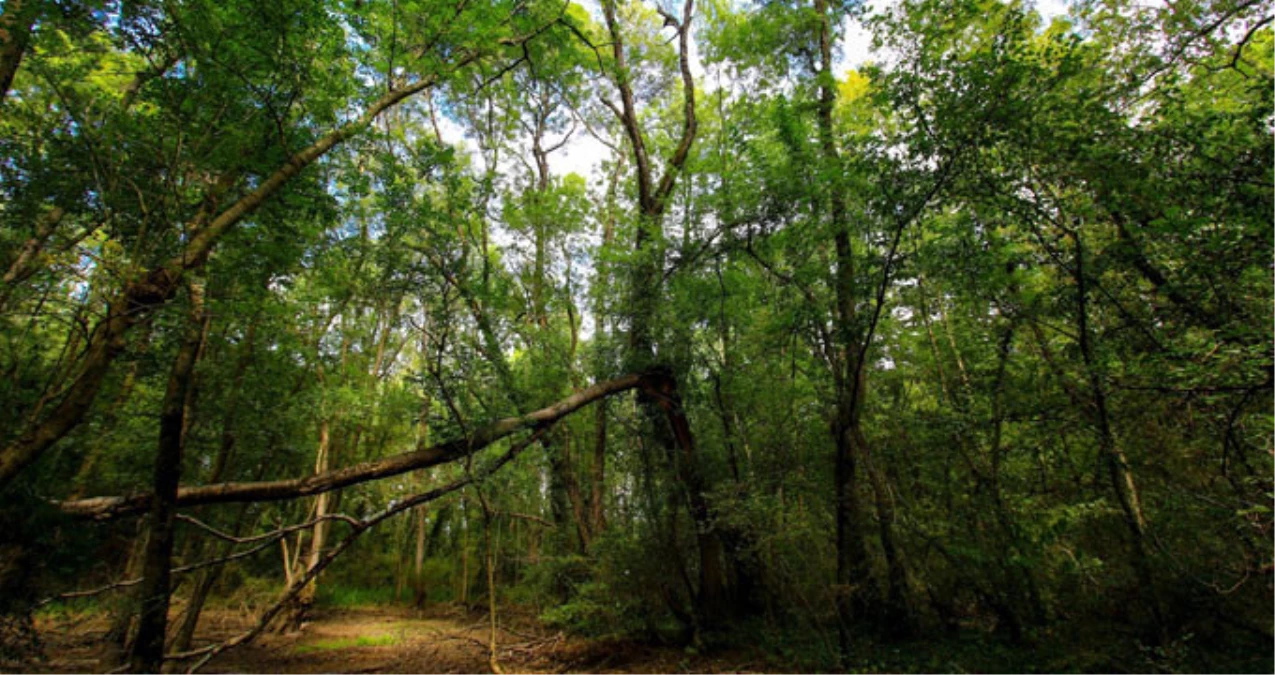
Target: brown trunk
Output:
{"points": [[305, 599], [111, 507], [1120, 474], [15, 34], [664, 396], [418, 567], [489, 565], [673, 433], [464, 558], [855, 587], [597, 487], [118, 635], [208, 577], [148, 649]]}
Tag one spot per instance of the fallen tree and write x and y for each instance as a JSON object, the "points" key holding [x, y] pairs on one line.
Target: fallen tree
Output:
{"points": [[655, 383]]}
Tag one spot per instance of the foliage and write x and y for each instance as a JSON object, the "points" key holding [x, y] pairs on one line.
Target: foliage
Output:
{"points": [[971, 342]]}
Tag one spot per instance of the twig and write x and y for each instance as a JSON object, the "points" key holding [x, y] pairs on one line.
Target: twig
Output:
{"points": [[268, 535], [269, 539]]}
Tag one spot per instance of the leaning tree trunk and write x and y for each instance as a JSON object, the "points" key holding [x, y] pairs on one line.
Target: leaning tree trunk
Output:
{"points": [[142, 296]]}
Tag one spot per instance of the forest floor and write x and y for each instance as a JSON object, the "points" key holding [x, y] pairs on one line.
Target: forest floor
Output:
{"points": [[386, 640]]}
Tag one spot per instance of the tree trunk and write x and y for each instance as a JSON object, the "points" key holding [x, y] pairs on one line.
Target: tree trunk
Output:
{"points": [[418, 567], [489, 565], [305, 599], [855, 587], [670, 430], [1120, 474], [148, 649], [124, 616], [103, 508], [15, 34], [208, 576], [597, 476]]}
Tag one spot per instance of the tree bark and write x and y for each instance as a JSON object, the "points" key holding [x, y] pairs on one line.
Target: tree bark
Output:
{"points": [[645, 283], [208, 577], [15, 34], [322, 463], [855, 587], [148, 649], [1121, 476], [103, 508]]}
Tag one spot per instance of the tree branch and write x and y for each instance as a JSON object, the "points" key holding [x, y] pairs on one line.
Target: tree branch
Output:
{"points": [[104, 508]]}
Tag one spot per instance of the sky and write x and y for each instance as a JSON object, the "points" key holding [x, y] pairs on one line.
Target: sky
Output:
{"points": [[583, 154]]}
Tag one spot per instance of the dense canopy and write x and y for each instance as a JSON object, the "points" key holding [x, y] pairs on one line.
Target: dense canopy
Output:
{"points": [[669, 322]]}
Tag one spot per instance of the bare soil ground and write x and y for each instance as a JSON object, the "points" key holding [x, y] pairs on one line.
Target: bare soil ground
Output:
{"points": [[384, 640]]}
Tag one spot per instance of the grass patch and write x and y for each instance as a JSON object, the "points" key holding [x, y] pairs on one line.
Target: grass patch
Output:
{"points": [[347, 643], [353, 596]]}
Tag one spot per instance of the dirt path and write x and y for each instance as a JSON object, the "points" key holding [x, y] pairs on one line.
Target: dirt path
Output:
{"points": [[385, 640], [389, 641]]}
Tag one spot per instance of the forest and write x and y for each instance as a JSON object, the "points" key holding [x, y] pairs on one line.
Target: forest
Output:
{"points": [[637, 336]]}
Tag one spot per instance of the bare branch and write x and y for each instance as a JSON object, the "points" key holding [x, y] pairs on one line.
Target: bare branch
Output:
{"points": [[104, 508]]}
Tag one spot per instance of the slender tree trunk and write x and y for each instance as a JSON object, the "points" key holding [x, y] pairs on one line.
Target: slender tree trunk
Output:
{"points": [[597, 487], [21, 267], [489, 564], [419, 592], [305, 599], [123, 619], [464, 559], [670, 429], [1117, 462], [148, 649], [204, 582], [208, 577], [418, 566], [855, 585]]}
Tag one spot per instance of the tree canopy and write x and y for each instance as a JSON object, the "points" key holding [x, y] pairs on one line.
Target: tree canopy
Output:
{"points": [[664, 319]]}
